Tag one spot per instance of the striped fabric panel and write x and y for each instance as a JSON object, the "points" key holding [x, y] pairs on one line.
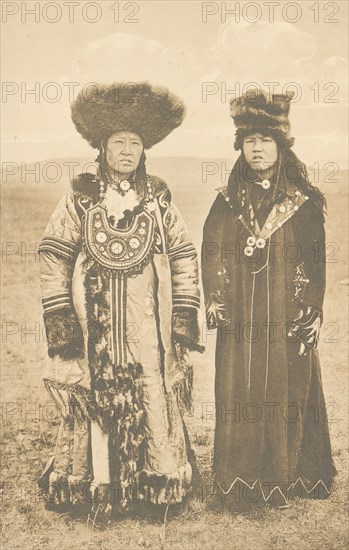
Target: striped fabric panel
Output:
{"points": [[186, 300], [56, 301], [184, 250], [61, 247]]}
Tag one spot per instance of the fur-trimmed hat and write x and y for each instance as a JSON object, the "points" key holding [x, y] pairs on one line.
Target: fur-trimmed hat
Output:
{"points": [[257, 111], [149, 111]]}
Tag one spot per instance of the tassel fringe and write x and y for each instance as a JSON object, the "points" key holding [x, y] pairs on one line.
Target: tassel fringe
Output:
{"points": [[75, 401], [149, 487]]}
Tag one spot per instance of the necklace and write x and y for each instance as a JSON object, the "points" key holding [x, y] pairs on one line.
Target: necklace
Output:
{"points": [[121, 187], [253, 242], [125, 187]]}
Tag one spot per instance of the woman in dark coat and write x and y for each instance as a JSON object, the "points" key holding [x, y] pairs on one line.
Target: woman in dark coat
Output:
{"points": [[263, 266]]}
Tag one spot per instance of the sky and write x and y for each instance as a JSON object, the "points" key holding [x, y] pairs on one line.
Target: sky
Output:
{"points": [[206, 52]]}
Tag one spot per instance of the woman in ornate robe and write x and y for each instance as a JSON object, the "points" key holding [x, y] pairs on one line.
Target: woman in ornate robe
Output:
{"points": [[263, 268], [120, 297]]}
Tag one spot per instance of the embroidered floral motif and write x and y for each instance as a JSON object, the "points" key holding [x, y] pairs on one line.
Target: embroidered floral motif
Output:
{"points": [[306, 326], [216, 312], [300, 282]]}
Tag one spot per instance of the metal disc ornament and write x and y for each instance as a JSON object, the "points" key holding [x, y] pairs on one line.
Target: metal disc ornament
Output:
{"points": [[122, 251], [125, 185]]}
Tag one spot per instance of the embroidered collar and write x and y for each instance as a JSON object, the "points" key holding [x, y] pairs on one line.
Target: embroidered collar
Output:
{"points": [[278, 215]]}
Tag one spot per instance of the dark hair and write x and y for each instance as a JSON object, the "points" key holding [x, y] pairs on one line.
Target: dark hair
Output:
{"points": [[290, 172], [278, 135]]}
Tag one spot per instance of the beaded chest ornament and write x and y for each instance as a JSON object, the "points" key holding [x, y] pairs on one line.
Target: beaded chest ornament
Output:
{"points": [[120, 252]]}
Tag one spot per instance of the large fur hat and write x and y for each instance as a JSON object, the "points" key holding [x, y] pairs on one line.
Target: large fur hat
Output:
{"points": [[149, 111], [258, 111]]}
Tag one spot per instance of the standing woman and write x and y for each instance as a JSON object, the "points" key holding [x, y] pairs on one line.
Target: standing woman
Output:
{"points": [[263, 265], [120, 297]]}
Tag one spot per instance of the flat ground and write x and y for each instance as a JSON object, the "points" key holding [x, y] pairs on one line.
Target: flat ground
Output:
{"points": [[29, 423]]}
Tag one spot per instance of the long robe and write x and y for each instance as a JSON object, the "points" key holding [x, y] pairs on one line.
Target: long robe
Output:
{"points": [[271, 437], [122, 436]]}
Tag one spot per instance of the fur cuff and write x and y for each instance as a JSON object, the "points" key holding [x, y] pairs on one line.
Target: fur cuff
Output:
{"points": [[64, 334], [185, 328]]}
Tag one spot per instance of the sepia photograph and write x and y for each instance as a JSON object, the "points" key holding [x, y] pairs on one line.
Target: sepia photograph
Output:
{"points": [[174, 275]]}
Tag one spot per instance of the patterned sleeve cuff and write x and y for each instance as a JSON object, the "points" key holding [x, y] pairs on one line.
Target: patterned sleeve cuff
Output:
{"points": [[184, 301], [64, 334], [183, 250], [60, 300], [185, 328], [60, 247]]}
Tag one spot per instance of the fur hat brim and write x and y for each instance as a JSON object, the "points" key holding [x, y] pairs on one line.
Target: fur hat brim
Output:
{"points": [[149, 111], [257, 109]]}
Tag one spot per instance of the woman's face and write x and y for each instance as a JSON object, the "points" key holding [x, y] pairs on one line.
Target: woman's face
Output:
{"points": [[124, 150], [261, 152]]}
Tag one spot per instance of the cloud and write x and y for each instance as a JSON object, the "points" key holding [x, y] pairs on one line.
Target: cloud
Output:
{"points": [[123, 57], [241, 53], [254, 50]]}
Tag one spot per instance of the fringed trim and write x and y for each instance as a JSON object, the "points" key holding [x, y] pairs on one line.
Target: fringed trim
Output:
{"points": [[75, 401], [127, 434], [63, 489], [148, 487], [67, 490], [183, 392], [118, 404], [278, 494], [165, 488]]}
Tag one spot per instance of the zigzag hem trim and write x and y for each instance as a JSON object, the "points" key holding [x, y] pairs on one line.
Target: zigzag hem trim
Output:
{"points": [[277, 489]]}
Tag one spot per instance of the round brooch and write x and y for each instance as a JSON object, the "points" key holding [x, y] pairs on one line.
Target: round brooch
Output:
{"points": [[260, 243], [125, 185], [249, 250], [251, 241]]}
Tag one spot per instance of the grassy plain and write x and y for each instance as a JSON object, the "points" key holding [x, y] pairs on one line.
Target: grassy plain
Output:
{"points": [[29, 421]]}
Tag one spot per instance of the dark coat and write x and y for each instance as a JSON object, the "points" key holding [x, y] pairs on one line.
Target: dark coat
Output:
{"points": [[271, 425]]}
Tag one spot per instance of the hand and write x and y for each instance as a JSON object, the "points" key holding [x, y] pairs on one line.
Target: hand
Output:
{"points": [[306, 327]]}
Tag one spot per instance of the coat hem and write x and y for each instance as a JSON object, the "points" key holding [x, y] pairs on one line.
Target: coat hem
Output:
{"points": [[149, 486], [254, 492]]}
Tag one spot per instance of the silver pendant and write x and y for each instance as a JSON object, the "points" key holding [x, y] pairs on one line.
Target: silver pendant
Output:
{"points": [[125, 185], [248, 250], [265, 184], [252, 243]]}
